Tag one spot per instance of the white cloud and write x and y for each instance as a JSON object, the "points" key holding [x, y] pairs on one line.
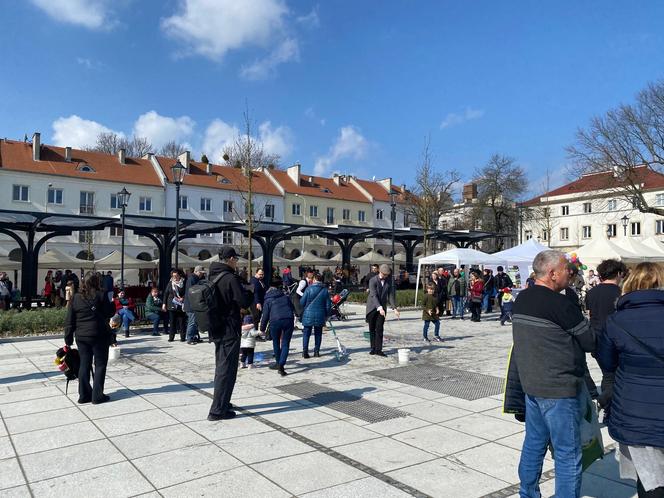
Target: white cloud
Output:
{"points": [[288, 50], [218, 135], [310, 20], [311, 114], [92, 14], [349, 144], [214, 27], [77, 132], [276, 141], [160, 130], [453, 119]]}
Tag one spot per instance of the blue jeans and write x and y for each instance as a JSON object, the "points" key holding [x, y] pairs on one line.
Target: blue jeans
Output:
{"points": [[558, 421], [281, 332], [436, 330], [318, 338], [192, 328], [487, 302], [127, 317], [155, 318], [457, 306]]}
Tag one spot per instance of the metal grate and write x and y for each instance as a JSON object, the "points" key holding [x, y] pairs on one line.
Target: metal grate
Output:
{"points": [[344, 402], [445, 380]]}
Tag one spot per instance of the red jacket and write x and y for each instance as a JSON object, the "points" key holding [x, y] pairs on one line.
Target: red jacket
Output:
{"points": [[130, 304], [476, 288]]}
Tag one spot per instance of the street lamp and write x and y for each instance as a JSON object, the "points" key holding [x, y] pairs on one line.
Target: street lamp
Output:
{"points": [[393, 216], [624, 220], [178, 175], [609, 232], [123, 200]]}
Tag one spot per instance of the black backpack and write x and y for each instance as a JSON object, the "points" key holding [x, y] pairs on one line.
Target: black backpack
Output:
{"points": [[203, 299], [68, 361]]}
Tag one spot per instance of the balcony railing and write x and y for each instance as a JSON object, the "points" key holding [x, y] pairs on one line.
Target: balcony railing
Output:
{"points": [[86, 209]]}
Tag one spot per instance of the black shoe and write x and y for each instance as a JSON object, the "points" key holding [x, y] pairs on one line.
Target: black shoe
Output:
{"points": [[282, 372], [305, 356], [228, 415], [182, 339], [274, 367], [192, 342], [372, 352], [170, 338], [316, 354], [127, 334], [103, 399], [380, 353], [156, 333], [82, 401]]}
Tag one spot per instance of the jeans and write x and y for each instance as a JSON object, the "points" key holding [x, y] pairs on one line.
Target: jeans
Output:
{"points": [[192, 328], [155, 318], [487, 302], [557, 421], [127, 317], [436, 330], [318, 337], [282, 331], [457, 306], [247, 356]]}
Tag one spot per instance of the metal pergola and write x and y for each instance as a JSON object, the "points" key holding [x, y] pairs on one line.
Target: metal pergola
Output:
{"points": [[30, 230]]}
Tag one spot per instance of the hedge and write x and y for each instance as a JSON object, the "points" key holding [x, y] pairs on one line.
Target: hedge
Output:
{"points": [[38, 321], [405, 298]]}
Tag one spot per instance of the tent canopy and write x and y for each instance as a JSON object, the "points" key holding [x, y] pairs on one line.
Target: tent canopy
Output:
{"points": [[523, 253], [276, 260], [654, 243], [593, 253], [372, 257], [646, 252], [7, 264], [308, 258], [184, 261], [114, 261], [53, 259]]}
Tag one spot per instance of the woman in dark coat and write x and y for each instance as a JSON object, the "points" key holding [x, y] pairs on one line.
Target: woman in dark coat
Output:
{"points": [[173, 303], [278, 311], [87, 321], [317, 307], [632, 345]]}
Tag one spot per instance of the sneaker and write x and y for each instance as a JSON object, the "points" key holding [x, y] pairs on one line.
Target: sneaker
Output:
{"points": [[305, 356], [250, 366], [437, 339], [380, 353], [282, 372], [127, 333], [427, 340], [156, 333], [316, 354], [242, 365], [274, 366]]}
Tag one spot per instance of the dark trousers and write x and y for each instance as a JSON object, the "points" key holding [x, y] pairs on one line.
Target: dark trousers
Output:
{"points": [[256, 316], [247, 356], [282, 331], [97, 351], [227, 356], [318, 337], [475, 310], [178, 322], [155, 318], [376, 322]]}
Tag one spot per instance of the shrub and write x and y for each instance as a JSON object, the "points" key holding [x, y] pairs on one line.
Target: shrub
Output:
{"points": [[405, 298], [37, 321]]}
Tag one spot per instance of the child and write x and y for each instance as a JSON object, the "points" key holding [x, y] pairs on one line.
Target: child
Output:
{"points": [[430, 313], [508, 302], [248, 341]]}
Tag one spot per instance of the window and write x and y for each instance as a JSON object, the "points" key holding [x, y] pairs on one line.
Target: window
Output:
{"points": [[55, 195], [345, 214], [565, 210], [659, 199], [227, 238], [635, 202], [361, 216], [206, 204], [330, 242], [184, 202], [313, 211], [296, 210], [659, 227], [114, 202], [269, 211], [246, 208], [587, 207], [330, 216], [379, 214], [313, 236], [87, 204], [21, 193], [545, 235], [611, 230], [145, 204], [85, 237], [228, 206], [586, 232], [564, 234], [546, 212], [636, 228], [528, 234], [612, 205], [115, 231], [205, 235], [444, 224]]}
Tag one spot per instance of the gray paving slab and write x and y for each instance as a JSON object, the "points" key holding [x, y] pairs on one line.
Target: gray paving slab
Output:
{"points": [[158, 440], [255, 448], [10, 473], [439, 440], [6, 449], [44, 420], [369, 486], [385, 454], [56, 437], [433, 411], [37, 405], [483, 426], [135, 422], [336, 433], [225, 429]]}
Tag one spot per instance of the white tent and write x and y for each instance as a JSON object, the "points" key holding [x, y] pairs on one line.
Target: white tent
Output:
{"points": [[276, 260], [400, 257], [53, 259], [523, 253], [372, 257], [457, 257], [307, 258], [646, 252], [593, 253], [114, 261], [654, 243], [7, 264], [184, 261], [215, 259]]}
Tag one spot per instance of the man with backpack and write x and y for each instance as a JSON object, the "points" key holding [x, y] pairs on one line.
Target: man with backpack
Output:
{"points": [[227, 295]]}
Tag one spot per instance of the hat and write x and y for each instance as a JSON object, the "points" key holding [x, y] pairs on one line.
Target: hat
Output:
{"points": [[500, 268], [506, 290], [199, 268], [227, 252]]}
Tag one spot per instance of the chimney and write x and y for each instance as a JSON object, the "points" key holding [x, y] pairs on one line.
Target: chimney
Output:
{"points": [[208, 168], [184, 159], [386, 183], [68, 154], [469, 192], [122, 156], [36, 146], [294, 173], [336, 179]]}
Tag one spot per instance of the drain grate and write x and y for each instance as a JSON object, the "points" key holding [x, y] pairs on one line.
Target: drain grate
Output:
{"points": [[344, 402], [445, 380]]}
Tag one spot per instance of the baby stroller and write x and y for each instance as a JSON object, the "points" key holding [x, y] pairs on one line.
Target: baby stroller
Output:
{"points": [[337, 301]]}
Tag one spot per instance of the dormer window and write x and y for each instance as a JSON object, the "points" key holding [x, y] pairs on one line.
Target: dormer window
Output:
{"points": [[224, 180], [326, 190], [85, 168]]}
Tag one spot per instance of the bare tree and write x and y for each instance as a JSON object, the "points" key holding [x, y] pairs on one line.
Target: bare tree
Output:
{"points": [[431, 195], [111, 143], [172, 149], [234, 154], [540, 215], [627, 141], [500, 183]]}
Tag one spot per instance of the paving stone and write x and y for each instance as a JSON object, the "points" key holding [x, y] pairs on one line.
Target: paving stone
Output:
{"points": [[361, 488], [117, 406], [336, 433], [159, 440], [396, 425], [298, 417], [224, 429], [43, 420], [395, 399], [189, 413], [56, 437], [6, 450], [489, 428], [37, 405], [432, 411], [117, 480], [10, 473], [260, 447], [134, 422], [385, 454], [439, 440], [49, 464], [41, 392], [17, 492]]}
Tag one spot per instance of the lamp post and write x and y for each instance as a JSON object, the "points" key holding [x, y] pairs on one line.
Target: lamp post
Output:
{"points": [[123, 200], [178, 175], [609, 232], [625, 221], [393, 216]]}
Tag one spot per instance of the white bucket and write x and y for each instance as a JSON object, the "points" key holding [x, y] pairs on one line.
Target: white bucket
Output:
{"points": [[113, 353], [404, 355]]}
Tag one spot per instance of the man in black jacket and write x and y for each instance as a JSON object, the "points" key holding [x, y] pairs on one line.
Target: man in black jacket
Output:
{"points": [[502, 280], [380, 295], [232, 295]]}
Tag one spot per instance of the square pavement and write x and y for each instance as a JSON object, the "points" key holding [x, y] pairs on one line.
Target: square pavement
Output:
{"points": [[153, 438]]}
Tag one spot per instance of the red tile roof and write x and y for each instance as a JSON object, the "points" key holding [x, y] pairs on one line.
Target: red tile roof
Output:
{"points": [[17, 156], [319, 187], [602, 181], [236, 181]]}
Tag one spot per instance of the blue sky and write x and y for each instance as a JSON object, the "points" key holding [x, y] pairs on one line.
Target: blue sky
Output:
{"points": [[337, 85]]}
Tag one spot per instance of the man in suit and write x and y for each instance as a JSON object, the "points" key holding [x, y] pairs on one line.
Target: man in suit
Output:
{"points": [[381, 294]]}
